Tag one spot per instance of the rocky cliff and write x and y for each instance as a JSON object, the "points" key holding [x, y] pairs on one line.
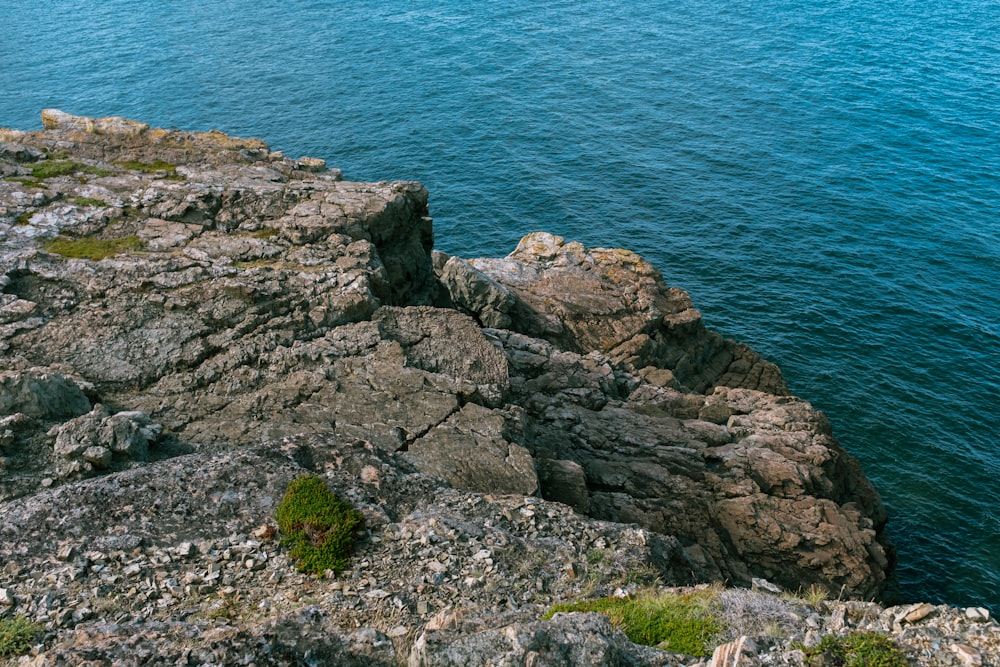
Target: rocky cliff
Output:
{"points": [[188, 321]]}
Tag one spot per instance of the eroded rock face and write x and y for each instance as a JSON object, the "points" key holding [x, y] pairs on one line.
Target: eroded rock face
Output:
{"points": [[615, 302], [208, 295]]}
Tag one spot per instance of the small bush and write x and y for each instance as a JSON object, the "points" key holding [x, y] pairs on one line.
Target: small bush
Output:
{"points": [[318, 527], [682, 623], [92, 248], [53, 168], [16, 635], [857, 649]]}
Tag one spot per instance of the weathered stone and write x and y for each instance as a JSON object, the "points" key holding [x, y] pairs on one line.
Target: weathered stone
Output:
{"points": [[977, 614], [471, 450], [476, 293], [967, 655], [41, 395], [613, 301], [587, 640], [914, 613], [54, 119]]}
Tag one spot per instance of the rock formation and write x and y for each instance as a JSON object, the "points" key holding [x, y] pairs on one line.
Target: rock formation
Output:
{"points": [[188, 320]]}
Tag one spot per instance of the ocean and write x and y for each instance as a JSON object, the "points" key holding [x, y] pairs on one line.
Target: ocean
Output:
{"points": [[823, 178]]}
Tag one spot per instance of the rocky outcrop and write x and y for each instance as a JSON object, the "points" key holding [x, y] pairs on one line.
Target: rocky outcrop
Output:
{"points": [[167, 293]]}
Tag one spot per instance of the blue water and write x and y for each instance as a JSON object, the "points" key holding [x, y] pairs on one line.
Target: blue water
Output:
{"points": [[823, 178]]}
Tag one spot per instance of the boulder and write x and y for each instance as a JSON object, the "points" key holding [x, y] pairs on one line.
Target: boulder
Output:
{"points": [[90, 443], [41, 395]]}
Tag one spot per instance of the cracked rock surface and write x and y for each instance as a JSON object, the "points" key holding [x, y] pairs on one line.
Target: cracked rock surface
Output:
{"points": [[188, 321]]}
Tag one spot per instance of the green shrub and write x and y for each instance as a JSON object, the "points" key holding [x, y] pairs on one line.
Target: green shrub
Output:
{"points": [[318, 527], [53, 168], [857, 649], [16, 635], [682, 623], [92, 248]]}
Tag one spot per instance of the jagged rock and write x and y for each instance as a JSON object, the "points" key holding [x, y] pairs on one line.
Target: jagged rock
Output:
{"points": [[476, 293], [41, 395], [90, 442], [275, 320], [54, 119], [615, 302]]}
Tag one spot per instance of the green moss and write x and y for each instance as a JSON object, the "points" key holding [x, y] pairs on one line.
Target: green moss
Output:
{"points": [[30, 182], [682, 623], [92, 248], [23, 218], [857, 649], [265, 233], [318, 527], [53, 168], [154, 167], [88, 201], [16, 635]]}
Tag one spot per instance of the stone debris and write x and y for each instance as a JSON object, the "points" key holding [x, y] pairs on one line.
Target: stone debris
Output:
{"points": [[189, 321]]}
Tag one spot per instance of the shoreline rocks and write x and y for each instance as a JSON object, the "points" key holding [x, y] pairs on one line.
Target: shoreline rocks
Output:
{"points": [[190, 320]]}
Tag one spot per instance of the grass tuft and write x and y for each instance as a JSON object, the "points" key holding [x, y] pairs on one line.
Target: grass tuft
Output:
{"points": [[857, 649], [680, 622], [16, 635], [92, 248], [318, 527], [813, 596]]}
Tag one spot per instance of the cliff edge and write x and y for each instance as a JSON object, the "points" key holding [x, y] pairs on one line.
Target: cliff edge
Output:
{"points": [[188, 321]]}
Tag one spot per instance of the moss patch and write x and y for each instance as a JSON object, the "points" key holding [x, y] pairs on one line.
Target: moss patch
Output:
{"points": [[88, 201], [154, 167], [92, 248], [16, 635], [682, 623], [53, 168], [318, 527], [857, 649], [29, 182], [265, 233], [22, 219]]}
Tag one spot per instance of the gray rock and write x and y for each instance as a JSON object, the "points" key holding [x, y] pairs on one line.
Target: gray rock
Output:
{"points": [[567, 640], [471, 450], [476, 293], [97, 438], [41, 395]]}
